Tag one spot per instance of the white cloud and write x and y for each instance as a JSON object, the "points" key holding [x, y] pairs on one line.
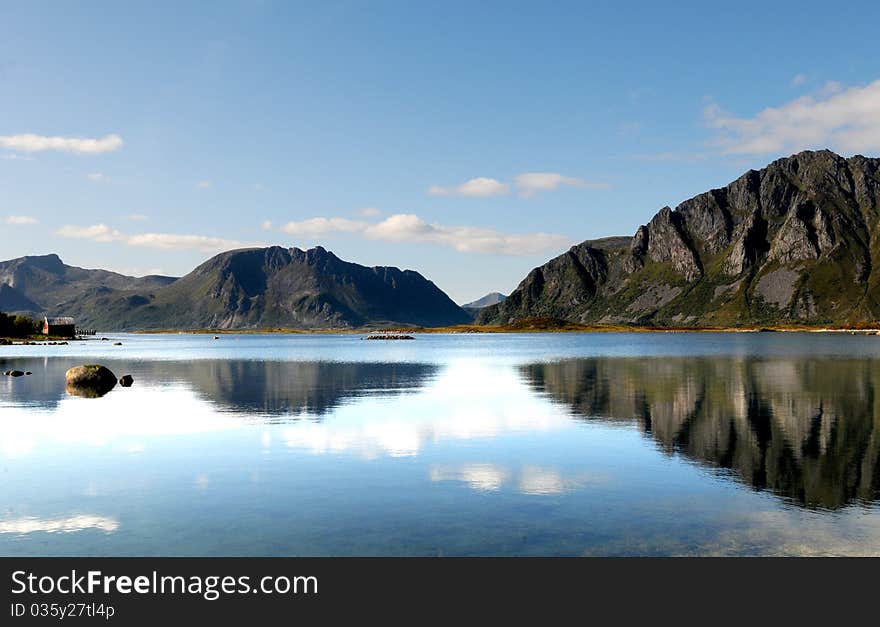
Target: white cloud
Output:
{"points": [[411, 228], [369, 212], [527, 184], [95, 232], [845, 120], [136, 271], [320, 226], [95, 176], [162, 241], [467, 239], [173, 241], [530, 183], [266, 225], [478, 187], [204, 185], [21, 220], [137, 217], [29, 142], [799, 79]]}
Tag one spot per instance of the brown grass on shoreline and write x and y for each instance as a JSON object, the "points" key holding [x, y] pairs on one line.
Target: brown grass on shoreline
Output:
{"points": [[528, 325]]}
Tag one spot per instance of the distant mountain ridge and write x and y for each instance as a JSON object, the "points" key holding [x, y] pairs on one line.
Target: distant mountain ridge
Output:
{"points": [[248, 288], [492, 298], [795, 242], [43, 284]]}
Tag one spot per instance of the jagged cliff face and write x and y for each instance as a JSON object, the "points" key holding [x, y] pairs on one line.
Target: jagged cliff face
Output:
{"points": [[277, 287], [796, 242]]}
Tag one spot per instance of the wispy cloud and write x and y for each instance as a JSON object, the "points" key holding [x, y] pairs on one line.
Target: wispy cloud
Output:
{"points": [[94, 232], [369, 212], [96, 176], [138, 217], [320, 226], [21, 220], [531, 183], [799, 79], [133, 270], [266, 225], [173, 241], [845, 120], [204, 185], [411, 228], [29, 142], [162, 241], [527, 184], [468, 239], [477, 187]]}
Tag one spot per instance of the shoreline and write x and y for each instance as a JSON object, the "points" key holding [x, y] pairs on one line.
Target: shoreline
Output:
{"points": [[536, 325], [492, 329]]}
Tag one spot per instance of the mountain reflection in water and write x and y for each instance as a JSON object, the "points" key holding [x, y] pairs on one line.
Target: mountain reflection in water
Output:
{"points": [[806, 429], [278, 388], [273, 388]]}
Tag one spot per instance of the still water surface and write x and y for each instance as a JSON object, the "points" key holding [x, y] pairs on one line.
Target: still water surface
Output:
{"points": [[538, 444]]}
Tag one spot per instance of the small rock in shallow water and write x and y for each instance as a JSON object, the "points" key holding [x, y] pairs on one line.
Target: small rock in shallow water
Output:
{"points": [[117, 343], [90, 381], [28, 373], [126, 381], [16, 373]]}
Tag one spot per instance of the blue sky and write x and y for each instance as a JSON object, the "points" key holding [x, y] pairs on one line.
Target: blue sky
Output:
{"points": [[469, 141]]}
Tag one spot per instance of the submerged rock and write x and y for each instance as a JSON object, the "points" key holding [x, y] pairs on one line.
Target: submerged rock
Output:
{"points": [[90, 381]]}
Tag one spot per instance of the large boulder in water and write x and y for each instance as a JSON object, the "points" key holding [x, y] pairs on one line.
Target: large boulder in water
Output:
{"points": [[90, 381]]}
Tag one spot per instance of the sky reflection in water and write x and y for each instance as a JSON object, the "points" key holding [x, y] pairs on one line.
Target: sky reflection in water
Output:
{"points": [[537, 445]]}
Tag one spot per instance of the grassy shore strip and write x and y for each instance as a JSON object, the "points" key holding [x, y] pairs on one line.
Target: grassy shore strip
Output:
{"points": [[529, 325], [39, 337]]}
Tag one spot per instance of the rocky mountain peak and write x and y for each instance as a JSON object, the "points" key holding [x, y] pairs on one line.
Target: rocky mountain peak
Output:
{"points": [[795, 241]]}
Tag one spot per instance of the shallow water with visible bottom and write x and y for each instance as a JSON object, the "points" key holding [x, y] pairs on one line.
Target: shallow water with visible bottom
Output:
{"points": [[533, 444]]}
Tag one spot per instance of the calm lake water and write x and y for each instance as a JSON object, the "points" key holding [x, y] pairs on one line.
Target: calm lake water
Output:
{"points": [[544, 444]]}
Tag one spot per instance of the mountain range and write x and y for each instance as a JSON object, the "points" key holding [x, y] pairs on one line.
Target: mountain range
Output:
{"points": [[249, 288], [797, 242]]}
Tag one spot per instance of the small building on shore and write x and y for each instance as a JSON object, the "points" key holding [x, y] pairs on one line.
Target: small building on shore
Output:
{"points": [[63, 326]]}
